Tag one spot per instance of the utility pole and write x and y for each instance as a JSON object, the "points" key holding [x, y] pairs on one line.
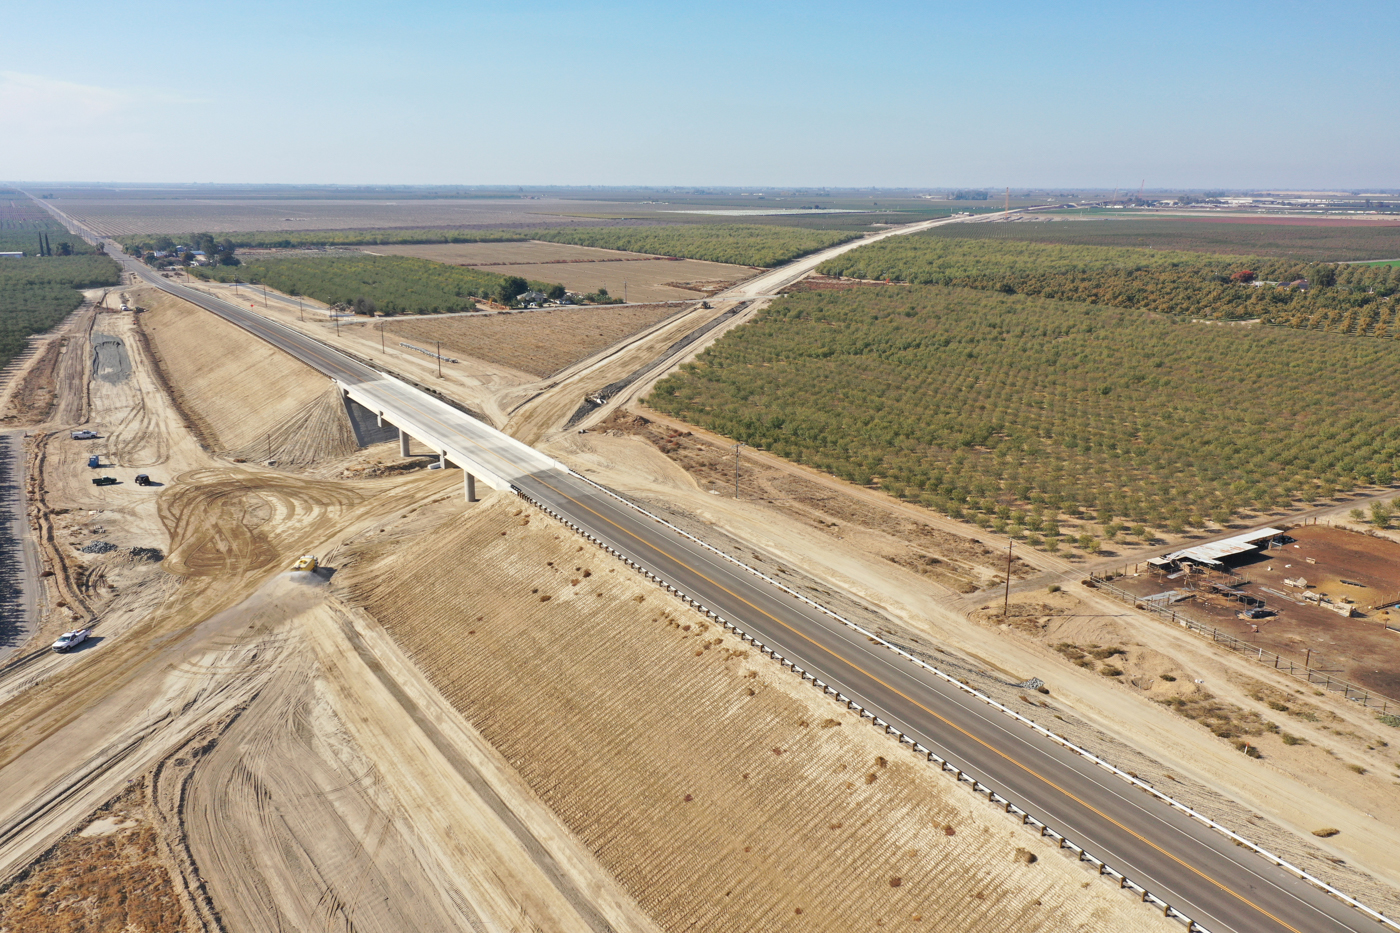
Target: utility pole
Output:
{"points": [[301, 312], [381, 338], [439, 356], [335, 315], [736, 468], [1006, 601], [1008, 200], [624, 291], [264, 285]]}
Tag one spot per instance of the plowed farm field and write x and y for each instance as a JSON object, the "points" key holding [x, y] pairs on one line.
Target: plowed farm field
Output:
{"points": [[722, 791], [537, 342], [585, 269]]}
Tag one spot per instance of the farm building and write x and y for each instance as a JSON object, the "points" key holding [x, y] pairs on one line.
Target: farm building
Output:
{"points": [[1215, 552]]}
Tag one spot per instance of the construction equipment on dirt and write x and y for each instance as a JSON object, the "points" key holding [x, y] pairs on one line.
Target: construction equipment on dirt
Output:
{"points": [[70, 640], [306, 562], [142, 479], [94, 461], [105, 481]]}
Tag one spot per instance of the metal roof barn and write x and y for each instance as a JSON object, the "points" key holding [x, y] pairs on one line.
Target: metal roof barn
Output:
{"points": [[1212, 553]]}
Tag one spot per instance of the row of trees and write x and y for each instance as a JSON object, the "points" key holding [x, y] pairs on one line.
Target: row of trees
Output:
{"points": [[378, 284], [283, 239], [1185, 284], [740, 244], [1204, 235], [1025, 414], [36, 294]]}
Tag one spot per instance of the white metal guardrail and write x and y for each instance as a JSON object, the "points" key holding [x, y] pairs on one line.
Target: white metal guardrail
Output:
{"points": [[1026, 818]]}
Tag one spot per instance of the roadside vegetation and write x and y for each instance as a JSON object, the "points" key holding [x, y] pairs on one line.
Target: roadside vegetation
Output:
{"points": [[1307, 242], [1346, 299], [1059, 423], [377, 284]]}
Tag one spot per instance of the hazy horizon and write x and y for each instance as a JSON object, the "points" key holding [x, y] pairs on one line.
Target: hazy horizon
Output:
{"points": [[1246, 97]]}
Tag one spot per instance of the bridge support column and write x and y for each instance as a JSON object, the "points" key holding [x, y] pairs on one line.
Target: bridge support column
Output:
{"points": [[403, 443], [379, 419], [442, 460], [471, 487]]}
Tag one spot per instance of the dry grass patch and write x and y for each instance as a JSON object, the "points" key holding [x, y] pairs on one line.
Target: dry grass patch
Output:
{"points": [[104, 878]]}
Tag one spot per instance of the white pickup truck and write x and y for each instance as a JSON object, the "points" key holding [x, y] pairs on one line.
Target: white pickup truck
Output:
{"points": [[70, 640], [84, 435]]}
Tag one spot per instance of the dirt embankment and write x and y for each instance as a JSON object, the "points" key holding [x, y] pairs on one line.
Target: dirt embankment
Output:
{"points": [[722, 792], [243, 398]]}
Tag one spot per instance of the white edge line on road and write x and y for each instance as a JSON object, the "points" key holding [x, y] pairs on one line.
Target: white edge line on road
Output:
{"points": [[1059, 740]]}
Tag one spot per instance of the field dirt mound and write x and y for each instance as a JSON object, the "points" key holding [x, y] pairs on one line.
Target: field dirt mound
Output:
{"points": [[722, 791], [241, 396]]}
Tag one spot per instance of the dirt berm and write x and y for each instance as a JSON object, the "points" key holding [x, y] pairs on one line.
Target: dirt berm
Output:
{"points": [[243, 398]]}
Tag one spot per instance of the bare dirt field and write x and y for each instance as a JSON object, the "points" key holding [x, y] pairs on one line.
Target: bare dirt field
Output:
{"points": [[116, 217], [723, 792], [540, 342], [1345, 567], [584, 269]]}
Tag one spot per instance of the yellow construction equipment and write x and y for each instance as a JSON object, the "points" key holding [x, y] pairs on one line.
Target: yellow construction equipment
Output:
{"points": [[306, 562]]}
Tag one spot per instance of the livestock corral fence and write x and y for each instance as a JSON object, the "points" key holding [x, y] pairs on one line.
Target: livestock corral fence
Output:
{"points": [[1351, 691]]}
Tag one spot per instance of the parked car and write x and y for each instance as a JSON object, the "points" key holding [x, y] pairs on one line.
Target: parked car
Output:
{"points": [[70, 640], [142, 479], [94, 461], [104, 481], [84, 435]]}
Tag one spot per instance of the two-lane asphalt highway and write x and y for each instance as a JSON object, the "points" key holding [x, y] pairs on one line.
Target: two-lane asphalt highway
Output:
{"points": [[1221, 886]]}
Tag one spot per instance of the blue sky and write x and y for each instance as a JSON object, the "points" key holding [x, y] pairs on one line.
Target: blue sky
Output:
{"points": [[1223, 94]]}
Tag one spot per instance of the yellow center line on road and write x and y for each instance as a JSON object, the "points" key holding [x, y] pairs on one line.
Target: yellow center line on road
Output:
{"points": [[843, 660]]}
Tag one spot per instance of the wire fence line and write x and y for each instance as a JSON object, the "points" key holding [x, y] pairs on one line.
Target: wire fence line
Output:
{"points": [[1363, 695]]}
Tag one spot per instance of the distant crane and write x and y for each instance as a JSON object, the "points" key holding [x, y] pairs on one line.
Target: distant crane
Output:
{"points": [[1140, 190], [1115, 197]]}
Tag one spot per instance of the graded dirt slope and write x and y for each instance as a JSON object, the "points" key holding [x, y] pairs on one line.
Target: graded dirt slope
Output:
{"points": [[244, 398], [722, 791]]}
